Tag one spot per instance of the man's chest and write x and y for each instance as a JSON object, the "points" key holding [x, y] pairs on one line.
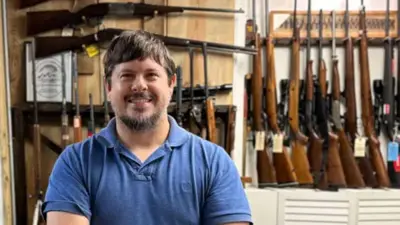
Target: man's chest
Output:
{"points": [[161, 192]]}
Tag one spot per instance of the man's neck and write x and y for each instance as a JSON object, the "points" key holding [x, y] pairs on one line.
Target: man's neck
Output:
{"points": [[143, 139]]}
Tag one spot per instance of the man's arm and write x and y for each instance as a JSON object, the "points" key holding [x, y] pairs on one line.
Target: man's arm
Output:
{"points": [[67, 199], [64, 218], [226, 202]]}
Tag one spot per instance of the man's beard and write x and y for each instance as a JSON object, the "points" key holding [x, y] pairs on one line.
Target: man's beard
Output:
{"points": [[141, 124]]}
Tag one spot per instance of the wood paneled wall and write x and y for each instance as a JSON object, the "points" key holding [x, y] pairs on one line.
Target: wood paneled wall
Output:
{"points": [[205, 26]]}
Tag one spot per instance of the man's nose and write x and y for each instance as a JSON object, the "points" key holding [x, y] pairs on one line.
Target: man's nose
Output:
{"points": [[139, 84]]}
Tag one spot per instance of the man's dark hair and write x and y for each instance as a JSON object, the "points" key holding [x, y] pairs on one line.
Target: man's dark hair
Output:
{"points": [[137, 45]]}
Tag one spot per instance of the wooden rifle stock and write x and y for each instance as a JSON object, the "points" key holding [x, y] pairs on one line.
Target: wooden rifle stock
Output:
{"points": [[367, 109], [335, 172], [314, 153], [211, 127], [351, 171], [230, 137]]}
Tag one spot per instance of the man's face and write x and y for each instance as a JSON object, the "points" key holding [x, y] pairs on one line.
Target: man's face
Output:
{"points": [[140, 93]]}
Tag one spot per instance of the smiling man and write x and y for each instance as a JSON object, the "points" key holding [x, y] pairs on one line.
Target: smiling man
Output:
{"points": [[143, 168]]}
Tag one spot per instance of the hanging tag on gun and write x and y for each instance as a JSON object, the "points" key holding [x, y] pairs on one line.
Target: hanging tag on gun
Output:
{"points": [[92, 50], [359, 146], [277, 143], [260, 140], [393, 151]]}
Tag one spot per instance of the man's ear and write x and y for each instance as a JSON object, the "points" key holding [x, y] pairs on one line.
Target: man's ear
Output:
{"points": [[172, 81], [107, 84]]}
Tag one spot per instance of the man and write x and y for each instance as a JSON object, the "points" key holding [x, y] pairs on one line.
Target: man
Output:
{"points": [[143, 168]]}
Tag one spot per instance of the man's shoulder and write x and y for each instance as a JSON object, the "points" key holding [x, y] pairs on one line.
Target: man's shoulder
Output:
{"points": [[84, 149], [203, 148]]}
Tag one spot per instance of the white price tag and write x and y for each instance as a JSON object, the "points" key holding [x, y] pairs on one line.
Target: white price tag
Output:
{"points": [[277, 143], [359, 147], [66, 32], [260, 140]]}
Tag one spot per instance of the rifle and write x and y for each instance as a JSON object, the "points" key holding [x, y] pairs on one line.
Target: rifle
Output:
{"points": [[335, 171], [265, 170], [388, 103], [37, 145], [367, 112], [350, 115], [298, 139], [194, 112], [209, 104], [316, 153], [64, 115], [50, 45], [91, 126], [42, 21], [77, 117], [178, 89], [285, 174], [352, 173]]}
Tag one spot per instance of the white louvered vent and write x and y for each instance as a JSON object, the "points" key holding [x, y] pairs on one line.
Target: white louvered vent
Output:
{"points": [[316, 211], [380, 211]]}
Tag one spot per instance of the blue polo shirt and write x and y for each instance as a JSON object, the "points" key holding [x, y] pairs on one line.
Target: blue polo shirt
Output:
{"points": [[186, 181]]}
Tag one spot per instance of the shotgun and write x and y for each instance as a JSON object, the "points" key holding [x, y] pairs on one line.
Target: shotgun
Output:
{"points": [[64, 115], [50, 45], [351, 170], [77, 117], [285, 174], [42, 21], [367, 108], [298, 140]]}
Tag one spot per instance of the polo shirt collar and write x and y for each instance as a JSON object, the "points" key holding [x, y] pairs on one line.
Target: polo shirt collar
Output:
{"points": [[177, 135]]}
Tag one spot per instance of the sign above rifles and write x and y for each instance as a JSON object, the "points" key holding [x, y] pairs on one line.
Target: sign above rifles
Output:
{"points": [[282, 22]]}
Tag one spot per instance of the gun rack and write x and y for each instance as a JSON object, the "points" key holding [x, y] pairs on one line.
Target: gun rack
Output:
{"points": [[49, 113], [326, 42]]}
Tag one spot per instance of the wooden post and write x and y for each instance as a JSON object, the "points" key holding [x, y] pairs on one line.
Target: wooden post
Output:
{"points": [[6, 216]]}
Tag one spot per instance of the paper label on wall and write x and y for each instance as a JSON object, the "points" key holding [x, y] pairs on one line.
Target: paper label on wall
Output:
{"points": [[260, 141], [359, 147], [393, 151], [49, 76], [277, 143]]}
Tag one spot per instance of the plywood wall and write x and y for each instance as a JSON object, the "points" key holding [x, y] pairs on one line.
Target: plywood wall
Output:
{"points": [[210, 27]]}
